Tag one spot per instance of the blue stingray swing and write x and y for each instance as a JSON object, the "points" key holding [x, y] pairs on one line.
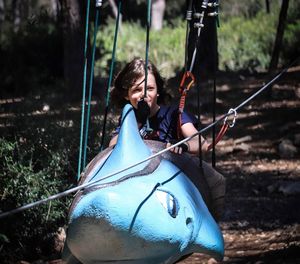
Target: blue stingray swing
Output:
{"points": [[140, 208]]}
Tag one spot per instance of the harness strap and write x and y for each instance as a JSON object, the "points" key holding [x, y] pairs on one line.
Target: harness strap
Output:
{"points": [[187, 81], [219, 136]]}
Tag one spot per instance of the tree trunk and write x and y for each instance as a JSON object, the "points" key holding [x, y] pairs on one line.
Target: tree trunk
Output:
{"points": [[55, 8], [73, 35], [279, 35], [268, 6], [158, 10], [16, 15], [114, 7], [2, 15]]}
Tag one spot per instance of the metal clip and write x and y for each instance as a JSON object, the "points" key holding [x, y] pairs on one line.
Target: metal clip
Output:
{"points": [[198, 15], [204, 4], [98, 3], [189, 15], [231, 110], [198, 25], [213, 4], [212, 14]]}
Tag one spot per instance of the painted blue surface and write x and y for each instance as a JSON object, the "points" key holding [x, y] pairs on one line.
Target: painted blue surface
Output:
{"points": [[154, 218]]}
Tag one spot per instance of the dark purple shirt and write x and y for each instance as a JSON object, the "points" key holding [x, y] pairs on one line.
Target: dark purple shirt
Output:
{"points": [[164, 124]]}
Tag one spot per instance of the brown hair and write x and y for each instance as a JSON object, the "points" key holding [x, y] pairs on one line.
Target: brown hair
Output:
{"points": [[127, 77]]}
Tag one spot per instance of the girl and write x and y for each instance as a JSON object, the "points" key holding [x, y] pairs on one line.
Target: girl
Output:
{"points": [[156, 122]]}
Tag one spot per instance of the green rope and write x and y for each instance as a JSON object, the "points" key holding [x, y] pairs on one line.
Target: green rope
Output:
{"points": [[90, 87], [218, 17], [83, 88], [147, 44], [111, 74]]}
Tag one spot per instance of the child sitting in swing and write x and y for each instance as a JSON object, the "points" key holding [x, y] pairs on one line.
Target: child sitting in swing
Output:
{"points": [[162, 120], [159, 122]]}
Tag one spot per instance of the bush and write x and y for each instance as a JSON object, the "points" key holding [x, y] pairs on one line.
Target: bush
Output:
{"points": [[291, 41], [166, 46], [30, 172], [247, 44], [244, 43]]}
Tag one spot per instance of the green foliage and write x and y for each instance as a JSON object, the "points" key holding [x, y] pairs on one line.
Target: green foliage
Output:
{"points": [[247, 43], [244, 43], [32, 168], [291, 40], [166, 46]]}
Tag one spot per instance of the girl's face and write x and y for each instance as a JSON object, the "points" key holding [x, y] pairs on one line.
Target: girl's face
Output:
{"points": [[136, 93]]}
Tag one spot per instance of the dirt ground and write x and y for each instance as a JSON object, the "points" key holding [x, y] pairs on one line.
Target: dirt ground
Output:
{"points": [[260, 159], [262, 213]]}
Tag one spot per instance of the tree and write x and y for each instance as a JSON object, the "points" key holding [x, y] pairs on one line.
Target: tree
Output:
{"points": [[279, 35], [268, 6], [1, 12], [73, 36], [158, 10]]}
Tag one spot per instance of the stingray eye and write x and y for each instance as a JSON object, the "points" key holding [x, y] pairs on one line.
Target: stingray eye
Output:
{"points": [[169, 202]]}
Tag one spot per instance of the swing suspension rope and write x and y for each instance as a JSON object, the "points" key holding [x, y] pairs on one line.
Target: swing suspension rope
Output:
{"points": [[147, 45], [84, 134], [188, 78], [79, 169], [224, 117], [98, 5], [84, 129], [112, 66]]}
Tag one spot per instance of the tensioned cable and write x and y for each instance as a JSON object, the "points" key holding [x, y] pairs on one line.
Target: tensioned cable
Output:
{"points": [[111, 74], [268, 84], [77, 188], [98, 5], [83, 88]]}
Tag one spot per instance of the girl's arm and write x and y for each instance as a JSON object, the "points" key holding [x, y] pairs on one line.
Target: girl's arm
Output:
{"points": [[188, 130]]}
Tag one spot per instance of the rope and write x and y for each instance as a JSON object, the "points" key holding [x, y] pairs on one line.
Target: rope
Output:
{"points": [[188, 73], [199, 122], [199, 25], [188, 18], [147, 44], [83, 89], [214, 139], [186, 83], [111, 73], [232, 111], [90, 87]]}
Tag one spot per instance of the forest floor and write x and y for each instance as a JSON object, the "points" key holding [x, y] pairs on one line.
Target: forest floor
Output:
{"points": [[260, 160]]}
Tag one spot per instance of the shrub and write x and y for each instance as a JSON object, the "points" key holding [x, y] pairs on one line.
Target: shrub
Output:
{"points": [[30, 172], [246, 44], [166, 46]]}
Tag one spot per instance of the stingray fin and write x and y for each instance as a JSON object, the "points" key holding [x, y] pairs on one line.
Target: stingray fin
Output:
{"points": [[130, 149], [130, 146], [210, 239]]}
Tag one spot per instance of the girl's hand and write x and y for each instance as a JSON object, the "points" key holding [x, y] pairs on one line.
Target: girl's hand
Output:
{"points": [[184, 147]]}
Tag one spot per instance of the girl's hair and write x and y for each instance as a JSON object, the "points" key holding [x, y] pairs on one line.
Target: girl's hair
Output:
{"points": [[128, 76]]}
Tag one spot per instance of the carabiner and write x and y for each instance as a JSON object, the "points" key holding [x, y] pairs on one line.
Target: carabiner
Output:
{"points": [[232, 123]]}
